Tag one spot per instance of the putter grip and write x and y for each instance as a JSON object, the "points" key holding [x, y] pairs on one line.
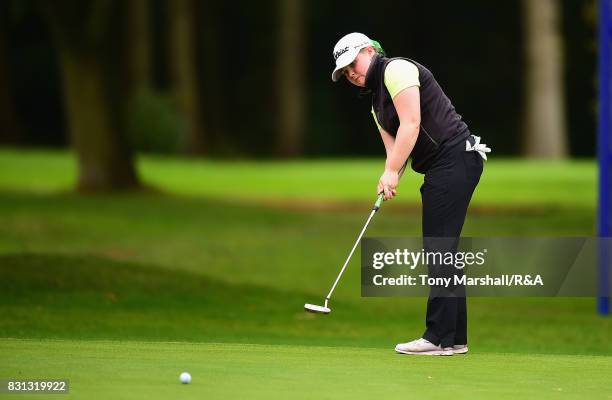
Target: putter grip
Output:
{"points": [[381, 198], [381, 195]]}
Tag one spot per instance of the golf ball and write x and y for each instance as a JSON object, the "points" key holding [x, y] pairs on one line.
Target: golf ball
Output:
{"points": [[185, 377]]}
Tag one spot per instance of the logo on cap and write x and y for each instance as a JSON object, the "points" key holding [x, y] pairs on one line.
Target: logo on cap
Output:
{"points": [[340, 52]]}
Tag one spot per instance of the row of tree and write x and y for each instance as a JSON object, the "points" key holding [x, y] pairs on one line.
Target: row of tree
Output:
{"points": [[107, 56], [104, 50]]}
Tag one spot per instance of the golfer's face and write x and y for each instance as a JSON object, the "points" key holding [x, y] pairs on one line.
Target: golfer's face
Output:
{"points": [[356, 71]]}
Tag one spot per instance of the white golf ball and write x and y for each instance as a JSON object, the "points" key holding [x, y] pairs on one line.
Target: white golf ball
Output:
{"points": [[185, 377]]}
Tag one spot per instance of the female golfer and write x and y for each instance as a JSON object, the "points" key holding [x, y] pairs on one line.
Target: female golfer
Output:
{"points": [[415, 118]]}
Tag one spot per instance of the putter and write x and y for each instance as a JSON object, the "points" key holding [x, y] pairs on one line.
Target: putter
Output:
{"points": [[325, 309], [313, 308]]}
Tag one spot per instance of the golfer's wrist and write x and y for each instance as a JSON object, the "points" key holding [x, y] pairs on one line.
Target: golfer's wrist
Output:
{"points": [[392, 170]]}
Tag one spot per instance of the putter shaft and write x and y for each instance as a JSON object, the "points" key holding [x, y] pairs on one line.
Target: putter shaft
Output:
{"points": [[381, 197], [376, 207]]}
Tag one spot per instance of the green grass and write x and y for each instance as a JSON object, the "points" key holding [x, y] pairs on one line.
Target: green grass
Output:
{"points": [[120, 293], [505, 182], [138, 370], [90, 297]]}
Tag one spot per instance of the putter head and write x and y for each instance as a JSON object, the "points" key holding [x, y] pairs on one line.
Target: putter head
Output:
{"points": [[313, 308]]}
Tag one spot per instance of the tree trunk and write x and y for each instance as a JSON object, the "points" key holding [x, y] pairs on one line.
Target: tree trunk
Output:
{"points": [[10, 130], [291, 78], [544, 133], [140, 44], [104, 160], [89, 48], [184, 73], [214, 92]]}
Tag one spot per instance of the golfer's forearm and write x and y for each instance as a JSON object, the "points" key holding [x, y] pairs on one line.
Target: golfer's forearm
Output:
{"points": [[404, 143], [388, 141]]}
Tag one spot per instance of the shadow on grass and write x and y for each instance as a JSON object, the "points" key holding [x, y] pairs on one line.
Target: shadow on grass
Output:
{"points": [[91, 297], [87, 296]]}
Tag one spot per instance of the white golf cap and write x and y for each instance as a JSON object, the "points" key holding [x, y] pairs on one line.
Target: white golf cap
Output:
{"points": [[347, 49]]}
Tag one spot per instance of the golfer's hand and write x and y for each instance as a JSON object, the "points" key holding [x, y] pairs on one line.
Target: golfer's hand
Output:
{"points": [[388, 183]]}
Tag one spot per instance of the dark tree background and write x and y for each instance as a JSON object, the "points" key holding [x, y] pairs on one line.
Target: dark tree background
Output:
{"points": [[474, 47]]}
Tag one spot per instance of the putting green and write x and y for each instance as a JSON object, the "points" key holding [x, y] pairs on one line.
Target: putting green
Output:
{"points": [[150, 370]]}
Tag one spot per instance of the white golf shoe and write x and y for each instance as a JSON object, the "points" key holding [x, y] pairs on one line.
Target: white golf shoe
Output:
{"points": [[460, 349], [423, 347]]}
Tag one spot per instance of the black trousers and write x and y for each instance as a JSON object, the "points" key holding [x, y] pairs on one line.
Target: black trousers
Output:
{"points": [[445, 194]]}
